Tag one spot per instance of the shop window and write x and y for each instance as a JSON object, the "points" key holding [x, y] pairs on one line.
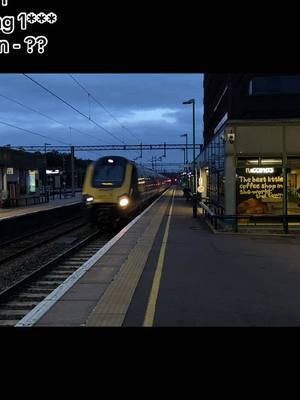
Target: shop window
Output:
{"points": [[293, 186], [259, 190]]}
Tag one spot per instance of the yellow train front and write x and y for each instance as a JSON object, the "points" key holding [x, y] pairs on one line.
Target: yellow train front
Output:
{"points": [[115, 188]]}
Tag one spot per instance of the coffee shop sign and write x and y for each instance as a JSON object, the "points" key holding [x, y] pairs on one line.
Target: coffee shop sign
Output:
{"points": [[259, 170]]}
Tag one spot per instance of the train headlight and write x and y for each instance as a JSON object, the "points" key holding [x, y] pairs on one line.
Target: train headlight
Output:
{"points": [[89, 199], [123, 201]]}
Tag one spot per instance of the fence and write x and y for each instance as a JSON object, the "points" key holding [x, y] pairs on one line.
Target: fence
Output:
{"points": [[283, 223], [42, 198], [26, 201]]}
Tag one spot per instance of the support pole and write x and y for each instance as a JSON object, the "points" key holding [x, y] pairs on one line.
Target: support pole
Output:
{"points": [[285, 200], [194, 151], [73, 170], [195, 208]]}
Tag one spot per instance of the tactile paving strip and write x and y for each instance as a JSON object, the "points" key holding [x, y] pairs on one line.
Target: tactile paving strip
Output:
{"points": [[113, 305]]}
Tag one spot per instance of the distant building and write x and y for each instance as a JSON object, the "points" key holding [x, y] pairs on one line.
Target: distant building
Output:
{"points": [[250, 163], [19, 175]]}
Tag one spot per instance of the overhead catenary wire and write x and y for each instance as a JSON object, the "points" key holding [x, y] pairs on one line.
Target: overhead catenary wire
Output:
{"points": [[33, 133], [46, 116], [73, 108], [90, 96], [49, 118], [101, 105]]}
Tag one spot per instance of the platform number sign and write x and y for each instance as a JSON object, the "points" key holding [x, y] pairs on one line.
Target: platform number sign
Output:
{"points": [[10, 171]]}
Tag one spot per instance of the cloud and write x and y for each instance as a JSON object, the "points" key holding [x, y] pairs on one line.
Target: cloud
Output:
{"points": [[147, 105]]}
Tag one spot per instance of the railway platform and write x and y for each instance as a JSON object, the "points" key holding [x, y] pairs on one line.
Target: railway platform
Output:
{"points": [[167, 268], [6, 213]]}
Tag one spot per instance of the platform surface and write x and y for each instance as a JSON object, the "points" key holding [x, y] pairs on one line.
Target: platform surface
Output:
{"points": [[206, 279], [6, 213]]}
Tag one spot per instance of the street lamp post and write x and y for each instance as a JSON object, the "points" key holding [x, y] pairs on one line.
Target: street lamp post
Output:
{"points": [[192, 101], [184, 161], [46, 144], [186, 148]]}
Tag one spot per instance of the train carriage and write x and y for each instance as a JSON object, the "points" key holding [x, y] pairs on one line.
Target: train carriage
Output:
{"points": [[115, 187]]}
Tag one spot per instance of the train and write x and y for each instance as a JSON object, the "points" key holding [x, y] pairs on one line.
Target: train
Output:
{"points": [[115, 188]]}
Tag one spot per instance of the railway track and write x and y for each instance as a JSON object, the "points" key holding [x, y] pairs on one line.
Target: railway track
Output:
{"points": [[19, 299], [21, 245]]}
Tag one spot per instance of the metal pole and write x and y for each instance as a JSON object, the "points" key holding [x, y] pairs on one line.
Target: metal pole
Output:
{"points": [[186, 148], [45, 181], [73, 170], [194, 166], [194, 149], [285, 200]]}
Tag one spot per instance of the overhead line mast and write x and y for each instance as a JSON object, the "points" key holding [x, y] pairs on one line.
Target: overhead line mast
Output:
{"points": [[116, 147]]}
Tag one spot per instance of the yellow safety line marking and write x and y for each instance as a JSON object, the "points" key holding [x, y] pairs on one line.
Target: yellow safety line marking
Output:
{"points": [[150, 312]]}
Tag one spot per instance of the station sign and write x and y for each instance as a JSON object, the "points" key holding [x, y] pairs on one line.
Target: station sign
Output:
{"points": [[9, 171]]}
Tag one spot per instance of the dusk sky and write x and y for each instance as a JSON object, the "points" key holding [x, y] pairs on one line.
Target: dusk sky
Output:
{"points": [[148, 105]]}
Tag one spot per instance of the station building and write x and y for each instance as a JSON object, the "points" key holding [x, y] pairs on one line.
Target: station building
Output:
{"points": [[250, 163], [19, 176]]}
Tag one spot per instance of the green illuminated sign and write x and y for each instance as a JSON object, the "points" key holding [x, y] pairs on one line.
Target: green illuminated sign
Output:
{"points": [[32, 187]]}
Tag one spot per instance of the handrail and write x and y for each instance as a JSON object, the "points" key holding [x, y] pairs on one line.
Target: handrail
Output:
{"points": [[204, 206], [43, 197], [282, 218]]}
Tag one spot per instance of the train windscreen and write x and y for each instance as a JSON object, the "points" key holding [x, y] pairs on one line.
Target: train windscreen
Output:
{"points": [[109, 172]]}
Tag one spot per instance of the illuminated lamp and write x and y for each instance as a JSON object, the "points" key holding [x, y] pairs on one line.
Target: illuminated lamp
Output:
{"points": [[123, 201]]}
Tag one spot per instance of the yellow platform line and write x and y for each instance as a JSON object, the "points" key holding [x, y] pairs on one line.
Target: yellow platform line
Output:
{"points": [[150, 312], [113, 305]]}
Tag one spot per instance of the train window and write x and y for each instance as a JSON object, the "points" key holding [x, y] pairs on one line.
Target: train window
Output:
{"points": [[140, 171], [108, 174]]}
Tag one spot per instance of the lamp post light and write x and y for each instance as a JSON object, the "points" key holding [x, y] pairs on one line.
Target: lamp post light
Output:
{"points": [[192, 101]]}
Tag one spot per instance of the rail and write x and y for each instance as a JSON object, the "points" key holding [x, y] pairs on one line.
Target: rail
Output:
{"points": [[16, 290]]}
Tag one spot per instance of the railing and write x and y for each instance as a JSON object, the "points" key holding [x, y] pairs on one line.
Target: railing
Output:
{"points": [[42, 198], [61, 193], [26, 201], [236, 222]]}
